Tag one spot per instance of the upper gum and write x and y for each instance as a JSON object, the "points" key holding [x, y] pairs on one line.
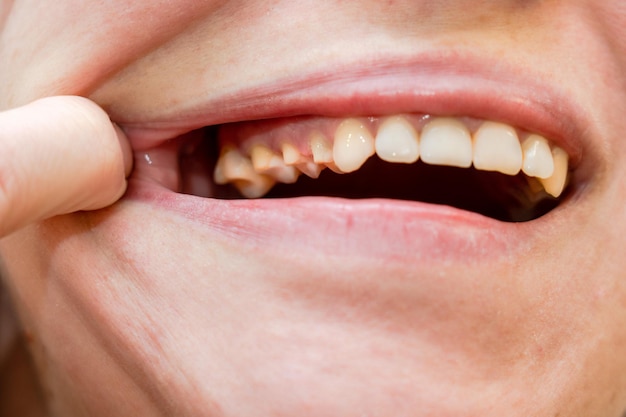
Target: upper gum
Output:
{"points": [[296, 131]]}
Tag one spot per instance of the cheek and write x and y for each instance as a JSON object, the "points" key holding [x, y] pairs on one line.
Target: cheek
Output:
{"points": [[68, 47]]}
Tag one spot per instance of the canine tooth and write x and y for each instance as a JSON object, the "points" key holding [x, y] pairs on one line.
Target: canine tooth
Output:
{"points": [[291, 154], [446, 141], [310, 169], [538, 160], [353, 145], [556, 183], [265, 161], [320, 148], [235, 168], [497, 148], [397, 141]]}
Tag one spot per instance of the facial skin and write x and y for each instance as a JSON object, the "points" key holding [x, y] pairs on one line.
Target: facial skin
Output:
{"points": [[179, 305]]}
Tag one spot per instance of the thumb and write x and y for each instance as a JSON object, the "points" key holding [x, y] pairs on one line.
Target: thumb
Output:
{"points": [[59, 155]]}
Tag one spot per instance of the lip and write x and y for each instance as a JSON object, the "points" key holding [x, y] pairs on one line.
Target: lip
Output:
{"points": [[434, 84]]}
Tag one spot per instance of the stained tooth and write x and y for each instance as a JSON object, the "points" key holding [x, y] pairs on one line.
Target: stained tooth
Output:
{"points": [[397, 141], [266, 162], [446, 141], [538, 160], [291, 154], [320, 148], [556, 183], [235, 168], [497, 148], [353, 145], [310, 169]]}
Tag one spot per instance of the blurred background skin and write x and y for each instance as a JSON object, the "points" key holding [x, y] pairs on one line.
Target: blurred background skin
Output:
{"points": [[122, 314]]}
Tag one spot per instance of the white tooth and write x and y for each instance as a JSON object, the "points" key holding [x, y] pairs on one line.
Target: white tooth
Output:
{"points": [[310, 169], [291, 154], [265, 161], [538, 160], [321, 150], [497, 148], [233, 167], [353, 145], [556, 183], [397, 141], [446, 141]]}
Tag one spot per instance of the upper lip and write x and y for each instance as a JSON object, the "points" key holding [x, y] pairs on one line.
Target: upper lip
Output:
{"points": [[435, 84]]}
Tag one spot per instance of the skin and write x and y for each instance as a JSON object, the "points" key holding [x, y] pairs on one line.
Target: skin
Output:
{"points": [[123, 314]]}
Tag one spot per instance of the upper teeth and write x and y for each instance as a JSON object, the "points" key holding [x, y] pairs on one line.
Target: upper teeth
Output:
{"points": [[254, 163]]}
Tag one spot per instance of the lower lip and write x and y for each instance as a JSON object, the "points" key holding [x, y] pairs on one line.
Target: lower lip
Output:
{"points": [[390, 230]]}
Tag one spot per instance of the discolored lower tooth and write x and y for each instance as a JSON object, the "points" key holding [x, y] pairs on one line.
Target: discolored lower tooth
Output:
{"points": [[233, 167], [538, 160], [556, 183], [497, 148], [320, 148], [310, 169], [446, 141], [397, 141], [265, 161], [353, 145]]}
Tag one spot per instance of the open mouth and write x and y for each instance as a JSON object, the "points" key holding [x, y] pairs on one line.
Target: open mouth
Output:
{"points": [[481, 166]]}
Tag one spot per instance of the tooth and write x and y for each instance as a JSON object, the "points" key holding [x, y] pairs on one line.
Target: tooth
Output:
{"points": [[321, 150], [310, 169], [291, 154], [265, 161], [497, 148], [556, 183], [233, 167], [353, 145], [538, 160], [446, 141], [397, 141]]}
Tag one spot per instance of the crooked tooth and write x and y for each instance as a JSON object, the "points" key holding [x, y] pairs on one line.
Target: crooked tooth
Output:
{"points": [[446, 141], [353, 145], [538, 159], [265, 161], [555, 184], [497, 148], [310, 169], [320, 148], [233, 167], [397, 141], [291, 154]]}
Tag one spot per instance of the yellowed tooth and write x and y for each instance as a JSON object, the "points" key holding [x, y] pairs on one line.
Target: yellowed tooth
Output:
{"points": [[291, 154], [497, 148], [320, 148], [266, 162], [310, 169], [354, 144], [446, 141], [233, 167], [538, 160], [397, 141], [557, 182]]}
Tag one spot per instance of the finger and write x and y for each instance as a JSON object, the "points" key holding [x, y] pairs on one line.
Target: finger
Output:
{"points": [[59, 155]]}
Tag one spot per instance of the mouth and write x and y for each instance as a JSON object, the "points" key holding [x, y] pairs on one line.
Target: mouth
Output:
{"points": [[453, 143]]}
